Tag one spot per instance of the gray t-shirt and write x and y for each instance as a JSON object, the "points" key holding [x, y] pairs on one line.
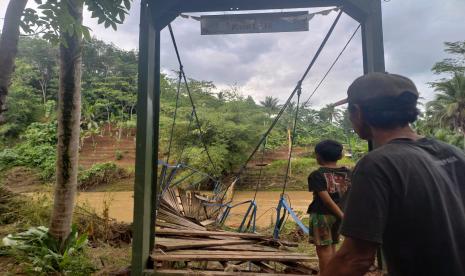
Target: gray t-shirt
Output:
{"points": [[409, 196]]}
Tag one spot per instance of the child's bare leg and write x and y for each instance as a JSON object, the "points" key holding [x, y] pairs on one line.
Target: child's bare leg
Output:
{"points": [[325, 253]]}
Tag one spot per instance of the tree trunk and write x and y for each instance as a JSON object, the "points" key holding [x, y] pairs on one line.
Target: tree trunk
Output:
{"points": [[69, 117], [9, 48], [43, 87]]}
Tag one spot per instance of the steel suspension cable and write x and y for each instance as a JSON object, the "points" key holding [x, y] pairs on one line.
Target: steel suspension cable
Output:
{"points": [[190, 96], [288, 101], [332, 65], [296, 89], [184, 145], [261, 170], [174, 117]]}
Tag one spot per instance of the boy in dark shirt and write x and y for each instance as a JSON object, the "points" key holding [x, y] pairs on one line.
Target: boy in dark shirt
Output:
{"points": [[329, 183]]}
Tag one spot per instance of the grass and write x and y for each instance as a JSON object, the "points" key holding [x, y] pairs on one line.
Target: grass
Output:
{"points": [[108, 259], [109, 240], [118, 185]]}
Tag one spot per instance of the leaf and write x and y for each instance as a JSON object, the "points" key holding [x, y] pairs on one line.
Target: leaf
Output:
{"points": [[122, 15], [45, 6], [127, 4], [48, 13], [86, 33]]}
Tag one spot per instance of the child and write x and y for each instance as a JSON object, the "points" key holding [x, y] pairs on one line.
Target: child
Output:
{"points": [[329, 184]]}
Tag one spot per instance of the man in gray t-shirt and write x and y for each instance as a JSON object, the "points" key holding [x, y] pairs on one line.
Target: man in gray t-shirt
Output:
{"points": [[408, 195]]}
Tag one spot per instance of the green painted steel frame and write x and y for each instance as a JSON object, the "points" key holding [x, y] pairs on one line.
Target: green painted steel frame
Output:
{"points": [[157, 14]]}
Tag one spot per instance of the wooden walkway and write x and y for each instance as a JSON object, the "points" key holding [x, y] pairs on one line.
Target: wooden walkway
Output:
{"points": [[217, 251], [183, 245]]}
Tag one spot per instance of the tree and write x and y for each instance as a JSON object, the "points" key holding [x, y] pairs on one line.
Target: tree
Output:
{"points": [[9, 48], [452, 65], [69, 119], [23, 104], [42, 56], [330, 114], [61, 23], [271, 105], [448, 108]]}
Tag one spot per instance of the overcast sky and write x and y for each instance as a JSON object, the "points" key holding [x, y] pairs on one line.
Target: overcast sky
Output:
{"points": [[270, 64]]}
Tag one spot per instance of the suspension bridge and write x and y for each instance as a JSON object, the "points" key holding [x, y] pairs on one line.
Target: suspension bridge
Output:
{"points": [[171, 223]]}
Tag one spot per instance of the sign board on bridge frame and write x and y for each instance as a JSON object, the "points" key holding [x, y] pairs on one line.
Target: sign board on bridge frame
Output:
{"points": [[254, 23]]}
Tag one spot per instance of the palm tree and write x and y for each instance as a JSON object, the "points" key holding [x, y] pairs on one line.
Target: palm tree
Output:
{"points": [[330, 114], [448, 108], [271, 105]]}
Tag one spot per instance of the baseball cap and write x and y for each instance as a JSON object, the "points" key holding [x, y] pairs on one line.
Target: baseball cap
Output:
{"points": [[376, 85]]}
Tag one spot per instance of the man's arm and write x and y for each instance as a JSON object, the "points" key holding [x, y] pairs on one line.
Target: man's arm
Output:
{"points": [[329, 202], [354, 258]]}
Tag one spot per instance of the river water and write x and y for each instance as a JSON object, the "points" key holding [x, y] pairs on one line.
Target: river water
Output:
{"points": [[121, 204]]}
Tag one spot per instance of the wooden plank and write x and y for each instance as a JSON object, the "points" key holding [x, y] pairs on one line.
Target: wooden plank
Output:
{"points": [[207, 222], [240, 253], [193, 233], [301, 268], [169, 200], [230, 257], [252, 247], [170, 225], [187, 244], [282, 243], [264, 267], [171, 217], [226, 238], [174, 272], [177, 240]]}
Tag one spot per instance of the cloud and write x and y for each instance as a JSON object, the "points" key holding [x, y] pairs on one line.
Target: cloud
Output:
{"points": [[270, 64]]}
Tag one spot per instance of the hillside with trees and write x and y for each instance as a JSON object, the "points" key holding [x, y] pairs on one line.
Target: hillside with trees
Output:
{"points": [[232, 123], [66, 96]]}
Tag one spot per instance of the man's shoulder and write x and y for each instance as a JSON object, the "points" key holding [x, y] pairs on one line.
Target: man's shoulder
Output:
{"points": [[404, 151], [400, 147], [441, 146]]}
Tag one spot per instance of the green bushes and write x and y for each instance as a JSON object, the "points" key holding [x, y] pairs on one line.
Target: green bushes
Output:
{"points": [[118, 155], [99, 174], [38, 150], [41, 254]]}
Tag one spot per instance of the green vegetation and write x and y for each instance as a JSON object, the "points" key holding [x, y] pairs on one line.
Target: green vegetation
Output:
{"points": [[37, 150], [42, 254], [445, 115], [99, 174], [231, 122], [37, 253]]}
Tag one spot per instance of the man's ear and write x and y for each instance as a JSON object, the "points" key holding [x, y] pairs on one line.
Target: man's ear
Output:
{"points": [[357, 112], [358, 122]]}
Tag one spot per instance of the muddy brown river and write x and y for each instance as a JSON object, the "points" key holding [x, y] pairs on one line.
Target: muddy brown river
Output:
{"points": [[121, 204]]}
